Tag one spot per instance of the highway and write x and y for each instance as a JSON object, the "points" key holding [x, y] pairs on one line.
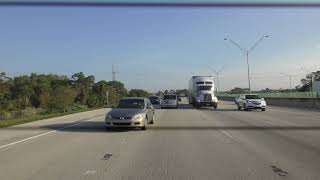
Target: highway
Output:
{"points": [[184, 143]]}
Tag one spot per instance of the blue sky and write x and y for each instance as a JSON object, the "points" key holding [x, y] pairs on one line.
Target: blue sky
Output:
{"points": [[158, 49]]}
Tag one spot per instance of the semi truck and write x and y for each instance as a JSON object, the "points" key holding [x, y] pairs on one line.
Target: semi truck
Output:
{"points": [[201, 92]]}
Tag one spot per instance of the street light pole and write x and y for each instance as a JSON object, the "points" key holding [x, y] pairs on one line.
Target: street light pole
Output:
{"points": [[217, 75], [246, 52]]}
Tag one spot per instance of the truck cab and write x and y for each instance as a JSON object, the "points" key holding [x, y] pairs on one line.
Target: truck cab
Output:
{"points": [[202, 91]]}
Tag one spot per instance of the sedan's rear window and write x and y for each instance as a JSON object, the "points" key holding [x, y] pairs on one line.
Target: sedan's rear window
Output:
{"points": [[169, 97], [253, 97], [131, 103]]}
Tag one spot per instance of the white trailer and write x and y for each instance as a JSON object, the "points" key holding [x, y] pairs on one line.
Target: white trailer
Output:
{"points": [[201, 92]]}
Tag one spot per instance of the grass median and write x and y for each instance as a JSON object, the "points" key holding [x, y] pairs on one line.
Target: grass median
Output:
{"points": [[12, 122]]}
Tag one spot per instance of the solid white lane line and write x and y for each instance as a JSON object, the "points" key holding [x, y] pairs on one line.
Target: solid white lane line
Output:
{"points": [[46, 133], [227, 134]]}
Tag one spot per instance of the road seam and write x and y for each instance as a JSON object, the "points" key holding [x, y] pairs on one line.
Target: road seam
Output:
{"points": [[227, 134], [46, 133]]}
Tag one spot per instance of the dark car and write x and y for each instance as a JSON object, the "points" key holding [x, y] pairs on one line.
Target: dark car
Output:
{"points": [[131, 112], [154, 99]]}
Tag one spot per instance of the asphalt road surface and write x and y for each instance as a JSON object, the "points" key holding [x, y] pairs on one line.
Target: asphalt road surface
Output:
{"points": [[183, 143]]}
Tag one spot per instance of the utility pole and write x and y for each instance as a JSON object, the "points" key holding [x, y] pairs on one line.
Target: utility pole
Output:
{"points": [[290, 77], [246, 52], [113, 73], [107, 97]]}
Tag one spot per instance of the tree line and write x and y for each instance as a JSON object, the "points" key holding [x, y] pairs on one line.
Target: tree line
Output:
{"points": [[59, 93], [306, 83]]}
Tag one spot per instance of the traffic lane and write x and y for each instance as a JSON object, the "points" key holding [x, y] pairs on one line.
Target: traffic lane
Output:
{"points": [[285, 121], [298, 116], [28, 130], [297, 151], [78, 152], [189, 152]]}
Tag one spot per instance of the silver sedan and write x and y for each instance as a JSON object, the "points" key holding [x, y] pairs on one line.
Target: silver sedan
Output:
{"points": [[131, 112]]}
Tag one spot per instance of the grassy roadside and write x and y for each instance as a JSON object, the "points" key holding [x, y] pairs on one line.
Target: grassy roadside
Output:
{"points": [[12, 122]]}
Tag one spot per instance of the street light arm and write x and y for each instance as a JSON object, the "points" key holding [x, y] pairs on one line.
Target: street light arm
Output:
{"points": [[285, 74], [213, 69], [237, 45], [257, 43], [221, 69]]}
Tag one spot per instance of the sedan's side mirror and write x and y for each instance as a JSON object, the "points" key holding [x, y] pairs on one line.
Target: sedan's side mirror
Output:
{"points": [[262, 98], [179, 99]]}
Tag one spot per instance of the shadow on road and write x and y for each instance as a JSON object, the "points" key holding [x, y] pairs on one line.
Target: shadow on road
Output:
{"points": [[181, 106], [186, 106], [219, 110], [97, 126]]}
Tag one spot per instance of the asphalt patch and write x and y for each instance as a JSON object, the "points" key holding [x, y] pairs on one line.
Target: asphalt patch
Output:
{"points": [[279, 171], [107, 156]]}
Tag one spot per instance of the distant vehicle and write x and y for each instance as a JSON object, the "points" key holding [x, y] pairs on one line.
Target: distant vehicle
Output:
{"points": [[169, 101], [154, 99], [201, 92], [251, 101], [131, 112]]}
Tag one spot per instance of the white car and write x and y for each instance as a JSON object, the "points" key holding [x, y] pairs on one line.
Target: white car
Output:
{"points": [[251, 101]]}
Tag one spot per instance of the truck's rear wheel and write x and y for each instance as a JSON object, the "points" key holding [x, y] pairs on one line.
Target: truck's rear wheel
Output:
{"points": [[198, 105], [215, 105]]}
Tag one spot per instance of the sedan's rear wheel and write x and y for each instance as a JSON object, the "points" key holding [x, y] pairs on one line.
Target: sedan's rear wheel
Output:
{"points": [[151, 122], [107, 128]]}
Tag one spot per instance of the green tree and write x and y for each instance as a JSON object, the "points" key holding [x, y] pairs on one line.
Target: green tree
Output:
{"points": [[5, 85], [22, 90], [307, 81], [62, 97], [118, 88], [83, 84], [238, 90], [138, 93], [42, 89], [5, 92]]}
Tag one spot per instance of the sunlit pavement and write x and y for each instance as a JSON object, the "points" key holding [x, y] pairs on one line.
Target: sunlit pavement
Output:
{"points": [[184, 143]]}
